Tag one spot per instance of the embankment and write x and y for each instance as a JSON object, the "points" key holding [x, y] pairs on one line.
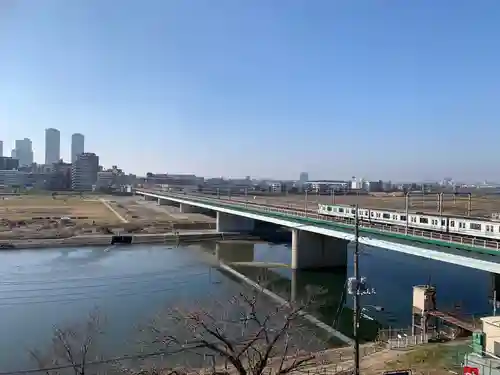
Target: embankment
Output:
{"points": [[135, 239]]}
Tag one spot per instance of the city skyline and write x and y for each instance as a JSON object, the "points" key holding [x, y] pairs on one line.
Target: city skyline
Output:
{"points": [[333, 88], [51, 154]]}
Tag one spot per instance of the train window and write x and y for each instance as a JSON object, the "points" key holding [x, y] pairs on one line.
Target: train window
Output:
{"points": [[413, 219], [386, 216], [378, 215], [452, 223], [475, 226], [371, 213], [487, 228], [341, 210], [329, 208], [402, 217], [443, 222], [353, 211], [395, 217], [424, 220], [366, 213]]}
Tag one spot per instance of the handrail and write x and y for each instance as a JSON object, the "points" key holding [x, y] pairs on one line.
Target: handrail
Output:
{"points": [[346, 224]]}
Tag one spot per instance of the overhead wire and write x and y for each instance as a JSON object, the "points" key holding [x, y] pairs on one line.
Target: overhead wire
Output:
{"points": [[92, 363], [72, 279]]}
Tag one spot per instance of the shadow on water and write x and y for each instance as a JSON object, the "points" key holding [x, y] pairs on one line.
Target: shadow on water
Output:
{"points": [[327, 286]]}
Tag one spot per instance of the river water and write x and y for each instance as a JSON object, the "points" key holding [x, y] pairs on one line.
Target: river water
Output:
{"points": [[41, 289]]}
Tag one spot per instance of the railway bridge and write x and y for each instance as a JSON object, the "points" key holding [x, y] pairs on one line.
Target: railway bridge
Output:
{"points": [[321, 241]]}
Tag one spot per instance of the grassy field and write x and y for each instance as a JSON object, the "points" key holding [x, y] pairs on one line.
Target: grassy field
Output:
{"points": [[35, 208]]}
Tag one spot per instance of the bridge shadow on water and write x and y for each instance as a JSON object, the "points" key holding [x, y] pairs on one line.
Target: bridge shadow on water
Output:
{"points": [[267, 265]]}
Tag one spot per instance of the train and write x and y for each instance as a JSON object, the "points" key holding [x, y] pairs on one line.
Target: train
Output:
{"points": [[474, 227]]}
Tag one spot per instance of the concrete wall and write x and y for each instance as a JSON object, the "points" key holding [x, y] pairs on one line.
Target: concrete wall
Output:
{"points": [[234, 223], [311, 250]]}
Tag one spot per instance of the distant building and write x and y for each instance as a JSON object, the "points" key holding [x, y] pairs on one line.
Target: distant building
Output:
{"points": [[105, 179], [84, 172], [77, 146], [52, 146], [13, 178], [304, 177], [174, 181], [24, 152], [327, 186], [60, 177], [8, 164], [1, 148]]}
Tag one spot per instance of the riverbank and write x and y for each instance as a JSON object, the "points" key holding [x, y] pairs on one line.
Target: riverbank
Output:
{"points": [[129, 239]]}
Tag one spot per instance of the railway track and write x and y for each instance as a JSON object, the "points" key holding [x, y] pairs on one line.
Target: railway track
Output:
{"points": [[310, 213]]}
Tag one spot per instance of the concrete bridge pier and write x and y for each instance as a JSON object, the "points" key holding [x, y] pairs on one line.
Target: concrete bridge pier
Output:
{"points": [[313, 251], [188, 209], [234, 223], [149, 198], [495, 286]]}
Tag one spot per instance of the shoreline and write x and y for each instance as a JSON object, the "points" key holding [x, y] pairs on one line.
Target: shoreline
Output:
{"points": [[125, 239]]}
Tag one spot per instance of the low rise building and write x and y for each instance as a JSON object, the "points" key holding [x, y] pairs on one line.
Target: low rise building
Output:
{"points": [[13, 178], [8, 163]]}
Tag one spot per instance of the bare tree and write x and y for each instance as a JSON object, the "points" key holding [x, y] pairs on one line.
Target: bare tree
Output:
{"points": [[72, 348], [248, 335], [244, 336]]}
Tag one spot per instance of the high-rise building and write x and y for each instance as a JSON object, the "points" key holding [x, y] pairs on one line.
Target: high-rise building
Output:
{"points": [[84, 172], [52, 146], [77, 146], [1, 148], [304, 177], [24, 152]]}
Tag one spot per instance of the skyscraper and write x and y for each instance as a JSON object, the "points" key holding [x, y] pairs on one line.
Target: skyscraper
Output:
{"points": [[52, 146], [24, 152], [1, 148], [77, 146]]}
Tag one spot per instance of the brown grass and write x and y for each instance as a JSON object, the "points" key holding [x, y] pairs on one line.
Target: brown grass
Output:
{"points": [[42, 208]]}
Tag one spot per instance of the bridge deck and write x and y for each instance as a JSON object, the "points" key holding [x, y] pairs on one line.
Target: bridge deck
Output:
{"points": [[454, 320]]}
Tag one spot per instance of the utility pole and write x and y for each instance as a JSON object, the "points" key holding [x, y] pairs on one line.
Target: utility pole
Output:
{"points": [[356, 308], [305, 204], [357, 287]]}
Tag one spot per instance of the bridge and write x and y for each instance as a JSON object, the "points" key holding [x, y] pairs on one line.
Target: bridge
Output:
{"points": [[321, 241]]}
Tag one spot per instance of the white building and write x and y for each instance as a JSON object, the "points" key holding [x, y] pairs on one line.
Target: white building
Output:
{"points": [[24, 152], [276, 187], [52, 146], [77, 146], [84, 172], [105, 179]]}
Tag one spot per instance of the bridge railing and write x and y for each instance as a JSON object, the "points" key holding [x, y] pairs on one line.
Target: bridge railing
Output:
{"points": [[343, 224]]}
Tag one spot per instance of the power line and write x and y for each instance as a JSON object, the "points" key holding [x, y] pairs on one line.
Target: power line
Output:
{"points": [[92, 363], [75, 279], [165, 276], [124, 294]]}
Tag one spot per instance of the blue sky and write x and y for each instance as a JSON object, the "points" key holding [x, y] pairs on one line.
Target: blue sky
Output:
{"points": [[378, 89]]}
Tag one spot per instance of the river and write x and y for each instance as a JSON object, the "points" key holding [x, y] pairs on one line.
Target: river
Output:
{"points": [[44, 288]]}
